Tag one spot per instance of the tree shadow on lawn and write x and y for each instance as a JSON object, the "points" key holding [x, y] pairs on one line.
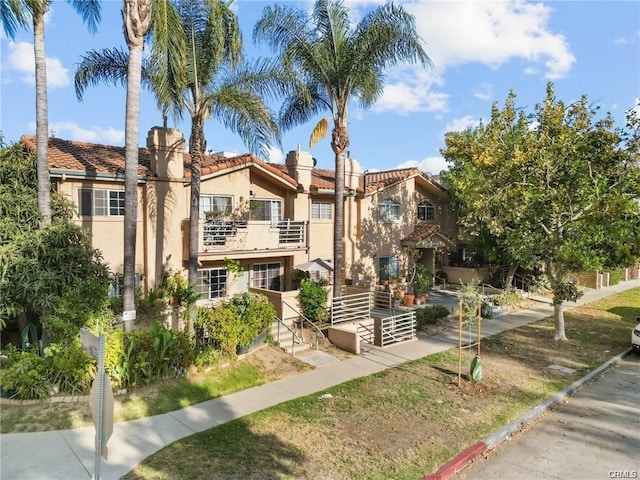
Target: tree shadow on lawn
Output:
{"points": [[230, 451], [627, 313]]}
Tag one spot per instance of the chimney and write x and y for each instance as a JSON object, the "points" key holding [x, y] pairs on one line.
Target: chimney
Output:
{"points": [[166, 147], [352, 173], [299, 165]]}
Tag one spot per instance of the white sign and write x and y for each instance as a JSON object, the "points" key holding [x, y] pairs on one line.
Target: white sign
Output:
{"points": [[129, 315]]}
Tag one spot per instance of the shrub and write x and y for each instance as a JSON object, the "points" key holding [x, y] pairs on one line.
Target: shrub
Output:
{"points": [[221, 326], [313, 300], [256, 315], [506, 299], [431, 314], [25, 376], [70, 368], [615, 277]]}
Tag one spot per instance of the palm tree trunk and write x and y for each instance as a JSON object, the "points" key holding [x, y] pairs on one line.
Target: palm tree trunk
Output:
{"points": [[196, 148], [136, 15], [42, 124], [339, 143]]}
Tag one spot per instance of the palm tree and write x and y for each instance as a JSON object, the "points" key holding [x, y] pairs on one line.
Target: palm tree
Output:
{"points": [[206, 79], [337, 63], [12, 14]]}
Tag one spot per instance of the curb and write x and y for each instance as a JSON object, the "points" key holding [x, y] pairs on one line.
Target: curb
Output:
{"points": [[492, 441]]}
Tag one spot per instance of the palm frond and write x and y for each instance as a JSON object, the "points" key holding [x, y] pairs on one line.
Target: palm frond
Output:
{"points": [[90, 10], [319, 132], [107, 66], [168, 57], [13, 14], [245, 114]]}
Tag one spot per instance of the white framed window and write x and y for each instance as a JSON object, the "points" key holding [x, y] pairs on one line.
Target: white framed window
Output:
{"points": [[221, 204], [211, 283], [388, 268], [320, 210], [389, 210], [97, 202], [268, 210], [116, 284], [426, 211], [267, 276]]}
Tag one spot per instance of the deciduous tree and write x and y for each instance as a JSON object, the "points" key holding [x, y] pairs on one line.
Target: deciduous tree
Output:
{"points": [[558, 189]]}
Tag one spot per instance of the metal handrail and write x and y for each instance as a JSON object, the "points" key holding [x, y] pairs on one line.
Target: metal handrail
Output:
{"points": [[294, 337], [318, 332]]}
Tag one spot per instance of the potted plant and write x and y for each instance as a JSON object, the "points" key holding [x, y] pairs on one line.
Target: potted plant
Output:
{"points": [[421, 282]]}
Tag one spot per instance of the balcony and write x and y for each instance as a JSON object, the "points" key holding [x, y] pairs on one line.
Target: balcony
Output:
{"points": [[245, 239]]}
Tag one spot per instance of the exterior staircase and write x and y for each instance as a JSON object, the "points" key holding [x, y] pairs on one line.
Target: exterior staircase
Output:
{"points": [[287, 337]]}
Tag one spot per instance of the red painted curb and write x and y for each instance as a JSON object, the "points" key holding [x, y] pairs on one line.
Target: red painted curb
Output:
{"points": [[457, 463]]}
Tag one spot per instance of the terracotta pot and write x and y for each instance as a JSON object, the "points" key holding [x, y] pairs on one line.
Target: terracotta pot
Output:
{"points": [[409, 299]]}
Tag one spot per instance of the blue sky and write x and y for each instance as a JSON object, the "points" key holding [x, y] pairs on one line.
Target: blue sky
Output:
{"points": [[481, 50]]}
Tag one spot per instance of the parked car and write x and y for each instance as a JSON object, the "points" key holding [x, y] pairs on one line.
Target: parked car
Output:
{"points": [[635, 337]]}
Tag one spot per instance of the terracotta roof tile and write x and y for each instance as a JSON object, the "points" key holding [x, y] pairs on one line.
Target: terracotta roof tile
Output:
{"points": [[420, 232], [88, 157], [423, 231], [215, 163]]}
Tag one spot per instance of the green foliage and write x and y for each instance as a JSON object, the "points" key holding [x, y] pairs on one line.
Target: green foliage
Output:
{"points": [[313, 300], [256, 314], [566, 291], [49, 269], [431, 314], [507, 298], [141, 357], [471, 299], [421, 281], [24, 374], [235, 323], [221, 326], [557, 189], [178, 289], [70, 368], [615, 276]]}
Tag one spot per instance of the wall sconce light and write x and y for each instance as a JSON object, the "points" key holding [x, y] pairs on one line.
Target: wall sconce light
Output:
{"points": [[251, 194]]}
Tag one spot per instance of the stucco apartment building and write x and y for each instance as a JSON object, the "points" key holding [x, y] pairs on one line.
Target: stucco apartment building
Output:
{"points": [[269, 217]]}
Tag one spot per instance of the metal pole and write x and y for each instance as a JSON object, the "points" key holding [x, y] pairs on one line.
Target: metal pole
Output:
{"points": [[459, 341], [100, 378]]}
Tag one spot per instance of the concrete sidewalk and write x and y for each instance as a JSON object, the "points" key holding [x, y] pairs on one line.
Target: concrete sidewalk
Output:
{"points": [[69, 454]]}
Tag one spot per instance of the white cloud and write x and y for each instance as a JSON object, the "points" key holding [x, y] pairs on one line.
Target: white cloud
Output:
{"points": [[432, 165], [465, 32], [91, 134], [460, 124], [484, 91], [409, 90], [20, 59], [274, 155], [491, 33]]}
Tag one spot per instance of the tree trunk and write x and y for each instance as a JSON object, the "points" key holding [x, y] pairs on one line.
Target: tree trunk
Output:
{"points": [[136, 16], [339, 143], [511, 272], [558, 316], [196, 149], [42, 123]]}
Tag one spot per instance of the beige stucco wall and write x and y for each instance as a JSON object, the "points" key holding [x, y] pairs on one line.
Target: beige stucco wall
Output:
{"points": [[107, 233]]}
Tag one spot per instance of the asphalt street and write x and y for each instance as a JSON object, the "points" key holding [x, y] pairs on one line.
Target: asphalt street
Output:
{"points": [[593, 435]]}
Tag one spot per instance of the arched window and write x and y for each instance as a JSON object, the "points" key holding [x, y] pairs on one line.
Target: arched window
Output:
{"points": [[389, 210], [426, 211]]}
